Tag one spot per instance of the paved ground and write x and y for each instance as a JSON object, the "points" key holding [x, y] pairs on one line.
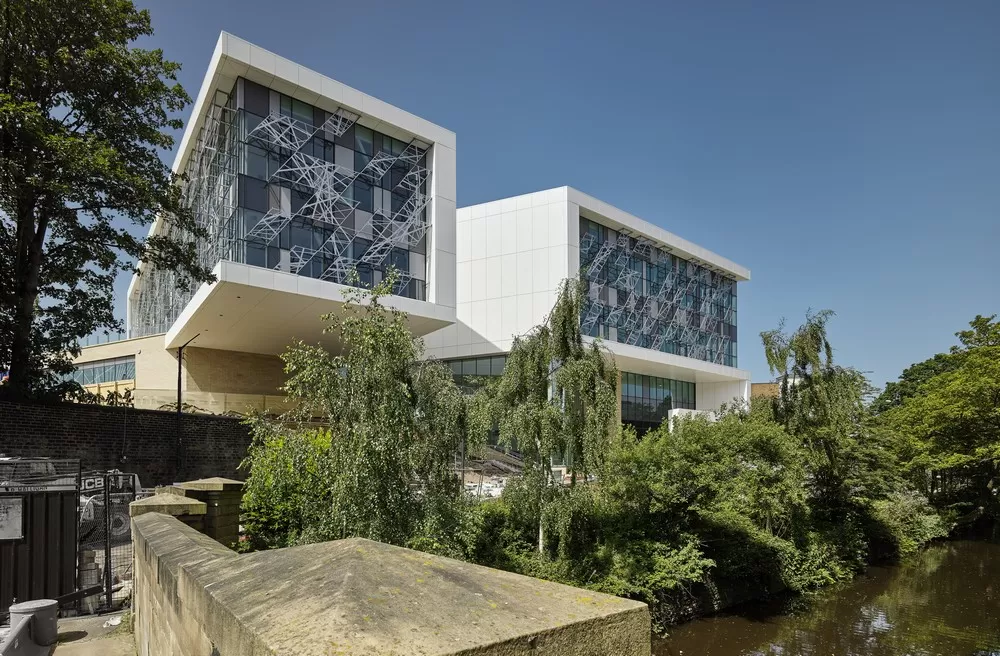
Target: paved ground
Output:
{"points": [[87, 636]]}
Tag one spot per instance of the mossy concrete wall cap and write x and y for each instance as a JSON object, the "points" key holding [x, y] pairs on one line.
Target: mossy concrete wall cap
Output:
{"points": [[167, 504], [215, 483], [361, 597]]}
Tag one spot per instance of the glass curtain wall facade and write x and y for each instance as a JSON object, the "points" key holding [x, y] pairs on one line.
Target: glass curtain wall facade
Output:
{"points": [[353, 223], [104, 371], [466, 371], [646, 400], [642, 295], [278, 183]]}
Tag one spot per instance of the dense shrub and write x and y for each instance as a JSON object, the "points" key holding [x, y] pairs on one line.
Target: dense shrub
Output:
{"points": [[905, 520], [795, 493], [283, 484], [676, 519]]}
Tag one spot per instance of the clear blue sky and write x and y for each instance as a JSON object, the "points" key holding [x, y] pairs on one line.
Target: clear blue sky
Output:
{"points": [[847, 152]]}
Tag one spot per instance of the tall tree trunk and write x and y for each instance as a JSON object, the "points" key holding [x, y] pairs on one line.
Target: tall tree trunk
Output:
{"points": [[541, 494], [28, 271]]}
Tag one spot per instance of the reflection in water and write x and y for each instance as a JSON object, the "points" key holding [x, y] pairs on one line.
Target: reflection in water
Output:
{"points": [[944, 602]]}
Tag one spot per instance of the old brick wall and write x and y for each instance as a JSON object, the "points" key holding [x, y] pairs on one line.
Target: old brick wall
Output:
{"points": [[159, 446]]}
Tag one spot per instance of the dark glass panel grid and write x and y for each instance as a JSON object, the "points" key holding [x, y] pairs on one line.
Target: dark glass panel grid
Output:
{"points": [[467, 370], [647, 400], [645, 296], [259, 191]]}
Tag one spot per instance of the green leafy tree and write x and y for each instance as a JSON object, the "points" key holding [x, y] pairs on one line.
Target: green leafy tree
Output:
{"points": [[798, 493], [382, 467], [824, 405], [83, 115], [947, 429], [556, 397], [983, 331], [949, 433], [912, 378]]}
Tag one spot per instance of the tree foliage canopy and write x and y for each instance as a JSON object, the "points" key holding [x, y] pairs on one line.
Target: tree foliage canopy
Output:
{"points": [[825, 406], [556, 397], [381, 466], [801, 492], [983, 331], [83, 117], [946, 426]]}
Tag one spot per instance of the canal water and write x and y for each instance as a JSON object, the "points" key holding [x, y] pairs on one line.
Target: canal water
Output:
{"points": [[943, 602]]}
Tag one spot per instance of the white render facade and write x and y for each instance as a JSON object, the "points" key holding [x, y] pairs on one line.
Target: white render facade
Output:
{"points": [[301, 182]]}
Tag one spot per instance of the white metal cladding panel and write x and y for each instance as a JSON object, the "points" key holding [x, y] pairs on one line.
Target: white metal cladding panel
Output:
{"points": [[512, 256]]}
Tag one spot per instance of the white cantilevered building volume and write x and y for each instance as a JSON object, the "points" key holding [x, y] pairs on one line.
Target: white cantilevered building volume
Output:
{"points": [[303, 185]]}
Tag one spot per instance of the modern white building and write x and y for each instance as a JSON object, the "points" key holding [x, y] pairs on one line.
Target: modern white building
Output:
{"points": [[664, 307], [300, 182]]}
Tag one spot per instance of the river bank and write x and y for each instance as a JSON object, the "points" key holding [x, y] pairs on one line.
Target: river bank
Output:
{"points": [[945, 600]]}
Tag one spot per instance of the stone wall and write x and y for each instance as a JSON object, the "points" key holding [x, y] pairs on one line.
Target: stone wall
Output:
{"points": [[233, 372], [169, 598], [352, 597], [158, 446]]}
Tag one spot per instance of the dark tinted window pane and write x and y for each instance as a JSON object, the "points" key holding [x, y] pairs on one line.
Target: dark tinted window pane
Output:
{"points": [[301, 234], [360, 247], [302, 111], [256, 255], [400, 259], [298, 200], [397, 202], [363, 195], [253, 193], [256, 98], [250, 219], [256, 162], [365, 276], [363, 140], [273, 257], [347, 139]]}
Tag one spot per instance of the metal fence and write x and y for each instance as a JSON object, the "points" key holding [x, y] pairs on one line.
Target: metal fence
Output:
{"points": [[105, 547], [39, 500]]}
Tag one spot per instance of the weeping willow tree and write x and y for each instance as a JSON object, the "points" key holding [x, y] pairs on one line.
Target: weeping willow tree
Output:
{"points": [[556, 398], [382, 465], [824, 405]]}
